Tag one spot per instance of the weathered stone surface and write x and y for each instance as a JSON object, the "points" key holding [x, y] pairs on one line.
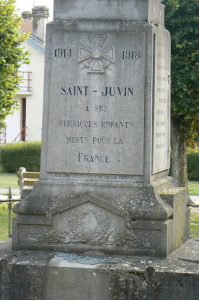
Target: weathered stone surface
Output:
{"points": [[47, 276], [110, 219], [100, 112], [156, 12], [175, 197], [105, 145], [136, 10], [161, 133], [102, 118]]}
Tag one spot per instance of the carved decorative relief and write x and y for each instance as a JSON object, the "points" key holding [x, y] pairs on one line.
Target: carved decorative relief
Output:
{"points": [[96, 54], [89, 224], [84, 224]]}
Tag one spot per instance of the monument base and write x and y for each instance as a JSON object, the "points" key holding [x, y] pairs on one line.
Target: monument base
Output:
{"points": [[37, 275], [128, 219]]}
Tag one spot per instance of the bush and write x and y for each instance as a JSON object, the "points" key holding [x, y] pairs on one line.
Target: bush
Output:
{"points": [[14, 156], [193, 165]]}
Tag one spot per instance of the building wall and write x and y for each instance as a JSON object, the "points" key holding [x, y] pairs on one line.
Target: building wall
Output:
{"points": [[34, 100], [13, 126]]}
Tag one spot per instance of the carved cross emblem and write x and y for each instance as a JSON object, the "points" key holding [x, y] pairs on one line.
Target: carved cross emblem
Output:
{"points": [[96, 55]]}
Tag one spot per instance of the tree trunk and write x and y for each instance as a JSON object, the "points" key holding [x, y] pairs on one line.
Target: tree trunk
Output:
{"points": [[179, 158]]}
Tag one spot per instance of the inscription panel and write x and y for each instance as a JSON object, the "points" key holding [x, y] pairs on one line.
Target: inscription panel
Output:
{"points": [[96, 105], [161, 103]]}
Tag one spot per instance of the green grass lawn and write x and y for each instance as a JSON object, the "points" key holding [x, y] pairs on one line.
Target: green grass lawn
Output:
{"points": [[4, 222], [194, 228], [8, 179], [194, 188]]}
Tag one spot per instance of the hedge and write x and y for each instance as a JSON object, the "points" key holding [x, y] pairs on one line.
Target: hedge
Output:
{"points": [[193, 165], [14, 156], [27, 155]]}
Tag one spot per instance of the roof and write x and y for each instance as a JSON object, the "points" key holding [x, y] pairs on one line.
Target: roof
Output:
{"points": [[26, 25]]}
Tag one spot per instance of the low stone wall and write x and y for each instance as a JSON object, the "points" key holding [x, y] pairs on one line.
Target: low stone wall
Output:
{"points": [[28, 275]]}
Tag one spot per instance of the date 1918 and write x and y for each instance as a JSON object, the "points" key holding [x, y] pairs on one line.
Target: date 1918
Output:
{"points": [[131, 54]]}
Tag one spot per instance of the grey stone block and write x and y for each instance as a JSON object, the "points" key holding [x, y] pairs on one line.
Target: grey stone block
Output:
{"points": [[108, 220], [48, 276], [176, 198], [137, 10]]}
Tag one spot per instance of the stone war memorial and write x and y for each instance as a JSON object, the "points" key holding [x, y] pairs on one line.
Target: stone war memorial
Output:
{"points": [[104, 208], [104, 183]]}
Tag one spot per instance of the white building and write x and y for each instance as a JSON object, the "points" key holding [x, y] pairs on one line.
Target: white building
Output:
{"points": [[25, 124]]}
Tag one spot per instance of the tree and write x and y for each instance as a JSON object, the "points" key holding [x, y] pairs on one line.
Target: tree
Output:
{"points": [[12, 56], [182, 20]]}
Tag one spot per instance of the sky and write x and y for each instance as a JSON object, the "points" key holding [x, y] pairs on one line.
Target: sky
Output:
{"points": [[22, 5]]}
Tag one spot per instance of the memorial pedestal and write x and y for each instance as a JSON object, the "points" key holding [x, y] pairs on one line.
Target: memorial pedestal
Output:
{"points": [[101, 218]]}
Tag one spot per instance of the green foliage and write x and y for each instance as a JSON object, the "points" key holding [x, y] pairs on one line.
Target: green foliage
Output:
{"points": [[12, 56], [14, 156], [8, 179], [193, 165], [182, 20]]}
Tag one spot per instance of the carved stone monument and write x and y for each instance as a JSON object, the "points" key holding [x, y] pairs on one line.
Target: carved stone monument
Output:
{"points": [[104, 184]]}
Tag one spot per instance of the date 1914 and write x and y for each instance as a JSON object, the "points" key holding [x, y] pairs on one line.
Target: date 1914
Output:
{"points": [[62, 53]]}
